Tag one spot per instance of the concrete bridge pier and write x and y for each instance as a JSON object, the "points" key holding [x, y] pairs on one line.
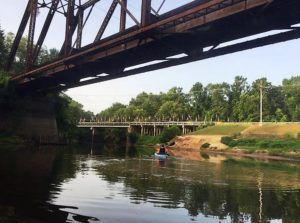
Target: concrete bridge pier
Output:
{"points": [[31, 117]]}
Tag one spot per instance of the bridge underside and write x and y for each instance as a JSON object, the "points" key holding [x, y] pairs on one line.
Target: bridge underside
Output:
{"points": [[197, 33]]}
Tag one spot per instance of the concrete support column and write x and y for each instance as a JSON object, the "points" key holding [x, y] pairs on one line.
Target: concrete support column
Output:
{"points": [[35, 121], [154, 130], [183, 130]]}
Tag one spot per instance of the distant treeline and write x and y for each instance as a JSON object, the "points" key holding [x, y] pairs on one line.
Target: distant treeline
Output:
{"points": [[236, 102]]}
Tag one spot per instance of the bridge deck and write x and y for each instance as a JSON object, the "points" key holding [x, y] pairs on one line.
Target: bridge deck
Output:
{"points": [[129, 124]]}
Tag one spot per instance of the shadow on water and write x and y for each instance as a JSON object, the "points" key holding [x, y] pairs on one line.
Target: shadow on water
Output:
{"points": [[92, 185], [29, 179]]}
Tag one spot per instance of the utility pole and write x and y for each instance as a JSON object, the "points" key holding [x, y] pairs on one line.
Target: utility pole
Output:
{"points": [[261, 105]]}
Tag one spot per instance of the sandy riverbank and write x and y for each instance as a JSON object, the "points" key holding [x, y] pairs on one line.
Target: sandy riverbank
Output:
{"points": [[189, 147]]}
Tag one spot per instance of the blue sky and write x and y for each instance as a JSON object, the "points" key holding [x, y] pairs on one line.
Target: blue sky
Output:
{"points": [[275, 62]]}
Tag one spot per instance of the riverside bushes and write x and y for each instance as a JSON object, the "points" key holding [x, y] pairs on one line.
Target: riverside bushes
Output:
{"points": [[284, 145], [229, 141], [169, 133]]}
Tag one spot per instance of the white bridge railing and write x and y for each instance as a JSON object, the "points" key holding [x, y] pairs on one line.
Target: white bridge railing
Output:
{"points": [[91, 124]]}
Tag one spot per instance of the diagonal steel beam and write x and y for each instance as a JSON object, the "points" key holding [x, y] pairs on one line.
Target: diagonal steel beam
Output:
{"points": [[89, 4], [45, 30], [83, 7], [69, 26], [123, 16], [80, 28], [106, 20], [18, 37], [124, 7], [33, 13]]}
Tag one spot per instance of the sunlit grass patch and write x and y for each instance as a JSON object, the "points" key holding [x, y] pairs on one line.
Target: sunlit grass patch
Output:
{"points": [[223, 129]]}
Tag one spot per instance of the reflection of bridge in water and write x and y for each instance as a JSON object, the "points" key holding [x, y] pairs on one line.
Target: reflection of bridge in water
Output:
{"points": [[145, 128]]}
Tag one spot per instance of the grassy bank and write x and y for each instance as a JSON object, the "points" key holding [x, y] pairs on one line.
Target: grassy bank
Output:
{"points": [[223, 129], [274, 139], [281, 130], [289, 147]]}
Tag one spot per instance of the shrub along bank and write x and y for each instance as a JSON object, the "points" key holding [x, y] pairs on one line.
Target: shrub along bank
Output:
{"points": [[274, 146], [166, 135]]}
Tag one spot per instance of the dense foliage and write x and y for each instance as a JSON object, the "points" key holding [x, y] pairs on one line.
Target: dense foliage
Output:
{"points": [[68, 112], [169, 133], [235, 102]]}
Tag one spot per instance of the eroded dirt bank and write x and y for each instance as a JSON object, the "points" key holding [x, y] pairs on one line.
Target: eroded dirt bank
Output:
{"points": [[189, 147]]}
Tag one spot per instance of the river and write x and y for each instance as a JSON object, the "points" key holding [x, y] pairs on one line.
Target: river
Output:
{"points": [[78, 185]]}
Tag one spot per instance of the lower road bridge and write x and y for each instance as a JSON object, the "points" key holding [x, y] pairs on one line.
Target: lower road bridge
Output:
{"points": [[145, 128]]}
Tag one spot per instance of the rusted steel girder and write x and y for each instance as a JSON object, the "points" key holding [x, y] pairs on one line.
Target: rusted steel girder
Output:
{"points": [[33, 13], [123, 16], [124, 7], [69, 26], [89, 4], [277, 38], [18, 37], [146, 12], [106, 20], [45, 29], [80, 28]]}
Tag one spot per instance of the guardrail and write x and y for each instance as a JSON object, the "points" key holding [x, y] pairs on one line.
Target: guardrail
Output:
{"points": [[128, 124]]}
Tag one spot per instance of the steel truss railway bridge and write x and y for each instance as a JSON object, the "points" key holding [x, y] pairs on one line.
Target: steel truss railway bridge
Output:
{"points": [[193, 31], [146, 40], [144, 128]]}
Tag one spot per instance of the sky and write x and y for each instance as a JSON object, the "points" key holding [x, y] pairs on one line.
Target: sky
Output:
{"points": [[275, 62]]}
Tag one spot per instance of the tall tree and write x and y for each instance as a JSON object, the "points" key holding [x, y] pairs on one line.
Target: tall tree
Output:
{"points": [[3, 50], [199, 101], [109, 113], [219, 94], [291, 91], [238, 87], [20, 59]]}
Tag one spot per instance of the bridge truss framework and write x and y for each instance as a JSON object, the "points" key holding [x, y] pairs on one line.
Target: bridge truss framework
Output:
{"points": [[197, 30]]}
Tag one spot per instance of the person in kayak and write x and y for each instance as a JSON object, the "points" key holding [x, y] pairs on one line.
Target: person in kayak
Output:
{"points": [[162, 150]]}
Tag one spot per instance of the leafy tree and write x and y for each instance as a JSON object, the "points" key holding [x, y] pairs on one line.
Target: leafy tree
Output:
{"points": [[291, 91], [3, 49], [169, 133], [170, 110], [20, 59], [219, 94], [274, 103], [238, 87], [68, 113], [247, 108], [199, 101], [109, 113], [47, 55], [149, 103]]}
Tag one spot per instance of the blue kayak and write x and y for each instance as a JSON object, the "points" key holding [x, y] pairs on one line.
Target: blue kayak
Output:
{"points": [[160, 156]]}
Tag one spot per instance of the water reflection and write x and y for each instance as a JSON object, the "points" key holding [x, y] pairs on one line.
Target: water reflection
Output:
{"points": [[69, 185]]}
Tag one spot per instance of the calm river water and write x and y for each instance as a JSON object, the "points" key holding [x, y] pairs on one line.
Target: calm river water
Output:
{"points": [[73, 185]]}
